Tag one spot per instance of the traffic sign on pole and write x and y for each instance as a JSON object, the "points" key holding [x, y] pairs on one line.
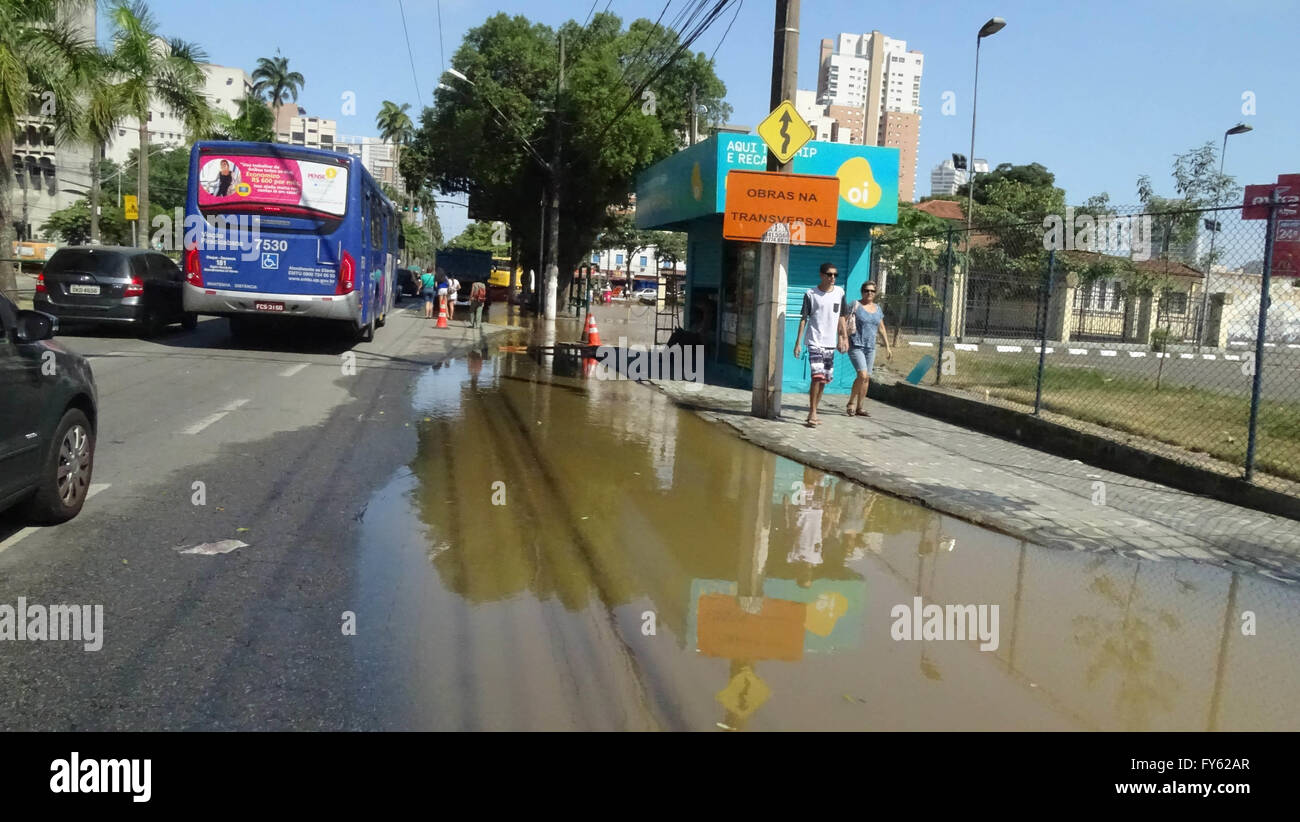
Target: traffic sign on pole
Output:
{"points": [[130, 207], [785, 132]]}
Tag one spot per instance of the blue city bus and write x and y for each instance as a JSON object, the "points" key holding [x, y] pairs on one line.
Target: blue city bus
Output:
{"points": [[288, 231]]}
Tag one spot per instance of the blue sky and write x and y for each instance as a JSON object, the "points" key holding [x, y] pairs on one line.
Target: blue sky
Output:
{"points": [[1098, 92]]}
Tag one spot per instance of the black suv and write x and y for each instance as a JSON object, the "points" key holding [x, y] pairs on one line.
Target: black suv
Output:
{"points": [[113, 284], [48, 408]]}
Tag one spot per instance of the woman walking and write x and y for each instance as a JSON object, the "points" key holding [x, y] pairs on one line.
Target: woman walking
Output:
{"points": [[868, 320], [429, 290]]}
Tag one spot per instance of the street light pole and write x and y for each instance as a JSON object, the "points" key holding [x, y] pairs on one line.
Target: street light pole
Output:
{"points": [[993, 26], [1239, 128]]}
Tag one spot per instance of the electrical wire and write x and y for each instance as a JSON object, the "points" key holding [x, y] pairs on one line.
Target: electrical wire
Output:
{"points": [[410, 54], [739, 6]]}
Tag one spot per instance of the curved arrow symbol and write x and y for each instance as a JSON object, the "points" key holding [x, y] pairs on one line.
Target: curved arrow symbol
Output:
{"points": [[785, 131]]}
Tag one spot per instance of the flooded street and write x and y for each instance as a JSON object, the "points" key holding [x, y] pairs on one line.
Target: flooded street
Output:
{"points": [[562, 553]]}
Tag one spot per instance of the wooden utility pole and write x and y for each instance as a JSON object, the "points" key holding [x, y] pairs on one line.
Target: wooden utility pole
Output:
{"points": [[774, 261]]}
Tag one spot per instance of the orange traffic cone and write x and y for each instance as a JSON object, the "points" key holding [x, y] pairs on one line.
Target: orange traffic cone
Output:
{"points": [[442, 311], [593, 333]]}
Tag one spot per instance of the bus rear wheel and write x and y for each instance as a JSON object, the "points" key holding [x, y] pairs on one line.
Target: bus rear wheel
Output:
{"points": [[366, 333]]}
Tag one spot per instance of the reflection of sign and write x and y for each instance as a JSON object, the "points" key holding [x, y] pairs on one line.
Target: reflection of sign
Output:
{"points": [[130, 207], [784, 131], [744, 694], [774, 632], [760, 201]]}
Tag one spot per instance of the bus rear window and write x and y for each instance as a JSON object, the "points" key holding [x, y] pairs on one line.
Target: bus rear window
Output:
{"points": [[249, 184]]}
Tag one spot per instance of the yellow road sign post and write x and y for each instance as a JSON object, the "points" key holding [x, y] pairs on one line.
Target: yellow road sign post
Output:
{"points": [[784, 131], [130, 207]]}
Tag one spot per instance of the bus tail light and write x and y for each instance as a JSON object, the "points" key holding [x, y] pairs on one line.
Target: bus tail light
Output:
{"points": [[135, 288], [193, 271], [40, 283], [347, 275]]}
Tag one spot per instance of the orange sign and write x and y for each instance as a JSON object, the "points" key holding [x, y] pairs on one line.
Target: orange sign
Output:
{"points": [[775, 632], [771, 207]]}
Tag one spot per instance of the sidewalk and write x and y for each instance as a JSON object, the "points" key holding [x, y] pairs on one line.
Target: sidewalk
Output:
{"points": [[1028, 494]]}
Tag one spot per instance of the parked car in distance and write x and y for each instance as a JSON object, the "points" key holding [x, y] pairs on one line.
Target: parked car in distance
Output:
{"points": [[113, 284], [48, 413], [646, 295]]}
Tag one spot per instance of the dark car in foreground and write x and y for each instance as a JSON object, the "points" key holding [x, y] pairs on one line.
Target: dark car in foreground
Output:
{"points": [[113, 284], [48, 411]]}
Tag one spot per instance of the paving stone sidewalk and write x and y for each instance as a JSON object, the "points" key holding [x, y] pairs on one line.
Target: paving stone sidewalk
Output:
{"points": [[1025, 493]]}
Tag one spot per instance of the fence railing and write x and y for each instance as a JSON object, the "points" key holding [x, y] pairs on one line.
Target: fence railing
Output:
{"points": [[1197, 356]]}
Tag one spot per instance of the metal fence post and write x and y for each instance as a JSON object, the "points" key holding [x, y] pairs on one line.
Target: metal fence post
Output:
{"points": [[1044, 304], [943, 310], [1258, 380]]}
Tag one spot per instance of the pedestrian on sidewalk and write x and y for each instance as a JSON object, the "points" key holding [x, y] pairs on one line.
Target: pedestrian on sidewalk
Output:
{"points": [[429, 289], [866, 322], [477, 297], [823, 316], [453, 287]]}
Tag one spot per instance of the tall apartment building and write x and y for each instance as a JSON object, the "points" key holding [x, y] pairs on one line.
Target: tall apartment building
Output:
{"points": [[946, 178], [295, 128], [877, 76], [223, 87], [48, 176], [379, 158]]}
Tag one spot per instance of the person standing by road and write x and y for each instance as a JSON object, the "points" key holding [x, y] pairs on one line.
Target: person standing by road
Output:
{"points": [[429, 289], [866, 322], [453, 288], [823, 316], [477, 297]]}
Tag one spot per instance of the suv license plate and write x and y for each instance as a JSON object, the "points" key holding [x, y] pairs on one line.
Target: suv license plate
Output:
{"points": [[268, 306], [83, 289]]}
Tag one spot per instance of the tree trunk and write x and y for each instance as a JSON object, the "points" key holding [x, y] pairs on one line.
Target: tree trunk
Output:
{"points": [[96, 153], [275, 127], [8, 272], [142, 230]]}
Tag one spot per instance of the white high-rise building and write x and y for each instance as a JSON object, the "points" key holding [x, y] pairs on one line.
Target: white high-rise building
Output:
{"points": [[379, 158], [223, 87], [946, 178]]}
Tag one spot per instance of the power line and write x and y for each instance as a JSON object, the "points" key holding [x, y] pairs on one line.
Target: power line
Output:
{"points": [[739, 6], [442, 55], [411, 55]]}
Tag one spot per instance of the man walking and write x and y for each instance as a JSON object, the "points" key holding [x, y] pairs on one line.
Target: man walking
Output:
{"points": [[477, 297], [823, 316]]}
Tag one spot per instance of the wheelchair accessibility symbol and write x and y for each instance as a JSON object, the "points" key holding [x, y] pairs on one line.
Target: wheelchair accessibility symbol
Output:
{"points": [[270, 260]]}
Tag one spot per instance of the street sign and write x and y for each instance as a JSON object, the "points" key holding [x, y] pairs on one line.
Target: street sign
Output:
{"points": [[744, 694], [789, 209], [130, 207], [727, 630], [784, 131], [1286, 236]]}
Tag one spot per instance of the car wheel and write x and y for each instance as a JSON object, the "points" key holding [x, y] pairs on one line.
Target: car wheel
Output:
{"points": [[189, 321], [65, 474]]}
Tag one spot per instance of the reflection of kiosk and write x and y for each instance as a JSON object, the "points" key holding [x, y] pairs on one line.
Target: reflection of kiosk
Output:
{"points": [[687, 192]]}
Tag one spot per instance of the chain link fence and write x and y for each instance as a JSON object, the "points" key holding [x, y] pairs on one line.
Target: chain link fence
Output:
{"points": [[1170, 331]]}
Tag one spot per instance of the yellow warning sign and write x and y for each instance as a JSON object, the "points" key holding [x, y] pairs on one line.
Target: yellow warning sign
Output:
{"points": [[784, 131], [745, 694], [130, 207]]}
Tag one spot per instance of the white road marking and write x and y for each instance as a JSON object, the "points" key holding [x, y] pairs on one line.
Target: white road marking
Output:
{"points": [[1078, 351], [1208, 357], [920, 344], [95, 488], [211, 418], [1186, 356], [1106, 352], [1008, 348], [294, 369], [1232, 357], [1137, 353], [967, 347], [1039, 350]]}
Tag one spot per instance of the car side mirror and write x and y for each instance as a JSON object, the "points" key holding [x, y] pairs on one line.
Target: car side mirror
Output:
{"points": [[34, 326]]}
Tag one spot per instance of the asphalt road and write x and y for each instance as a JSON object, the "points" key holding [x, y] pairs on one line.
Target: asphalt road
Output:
{"points": [[289, 449]]}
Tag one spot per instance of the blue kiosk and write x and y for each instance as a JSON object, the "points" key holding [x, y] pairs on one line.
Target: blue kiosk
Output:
{"points": [[687, 192]]}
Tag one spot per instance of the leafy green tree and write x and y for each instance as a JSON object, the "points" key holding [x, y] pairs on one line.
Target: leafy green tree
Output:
{"points": [[71, 225], [478, 236], [273, 79], [253, 122], [669, 246], [1034, 175], [147, 68], [609, 130], [43, 60]]}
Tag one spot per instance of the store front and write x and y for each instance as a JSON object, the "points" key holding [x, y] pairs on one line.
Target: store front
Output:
{"points": [[687, 192]]}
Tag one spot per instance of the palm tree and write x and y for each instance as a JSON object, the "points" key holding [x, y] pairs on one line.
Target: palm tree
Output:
{"points": [[394, 123], [273, 78], [253, 122], [148, 67], [42, 58]]}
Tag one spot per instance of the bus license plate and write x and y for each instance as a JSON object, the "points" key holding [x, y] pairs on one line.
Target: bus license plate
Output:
{"points": [[260, 306]]}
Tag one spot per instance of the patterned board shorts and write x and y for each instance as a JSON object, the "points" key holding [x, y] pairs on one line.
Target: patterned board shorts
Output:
{"points": [[823, 363]]}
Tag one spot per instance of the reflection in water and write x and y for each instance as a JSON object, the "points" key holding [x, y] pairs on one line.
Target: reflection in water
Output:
{"points": [[648, 570]]}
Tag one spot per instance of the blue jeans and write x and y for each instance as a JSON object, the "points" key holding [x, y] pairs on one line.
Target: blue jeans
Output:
{"points": [[863, 359]]}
